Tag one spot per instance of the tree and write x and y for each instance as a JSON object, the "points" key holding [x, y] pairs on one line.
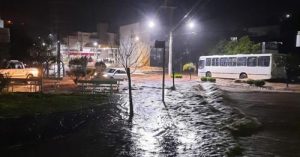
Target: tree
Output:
{"points": [[100, 68], [78, 67], [190, 67], [132, 54], [41, 53], [219, 48], [242, 46]]}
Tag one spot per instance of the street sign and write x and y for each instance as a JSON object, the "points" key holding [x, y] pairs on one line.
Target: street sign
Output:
{"points": [[160, 44]]}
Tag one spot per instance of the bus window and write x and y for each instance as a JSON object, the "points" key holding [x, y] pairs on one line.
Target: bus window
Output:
{"points": [[231, 61], [252, 61], [264, 61], [201, 64], [223, 61], [215, 62], [241, 61], [208, 62]]}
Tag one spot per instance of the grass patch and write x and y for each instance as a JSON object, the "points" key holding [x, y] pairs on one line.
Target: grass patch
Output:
{"points": [[20, 104]]}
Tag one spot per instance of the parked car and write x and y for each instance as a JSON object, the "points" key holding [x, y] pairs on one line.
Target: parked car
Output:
{"points": [[115, 73], [16, 69], [53, 70]]}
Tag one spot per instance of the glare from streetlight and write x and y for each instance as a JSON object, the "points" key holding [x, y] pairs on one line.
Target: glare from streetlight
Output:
{"points": [[137, 38], [288, 16], [95, 43], [43, 44], [151, 24], [191, 24]]}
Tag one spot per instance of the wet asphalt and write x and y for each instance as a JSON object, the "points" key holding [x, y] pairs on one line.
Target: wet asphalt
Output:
{"points": [[280, 115]]}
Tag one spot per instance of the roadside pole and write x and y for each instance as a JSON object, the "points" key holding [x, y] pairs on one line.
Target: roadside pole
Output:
{"points": [[173, 79], [58, 58], [161, 44], [163, 83]]}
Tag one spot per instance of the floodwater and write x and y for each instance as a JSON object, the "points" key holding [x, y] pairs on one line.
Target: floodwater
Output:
{"points": [[279, 113], [191, 122]]}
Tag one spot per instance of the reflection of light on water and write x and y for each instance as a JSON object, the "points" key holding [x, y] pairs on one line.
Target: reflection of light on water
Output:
{"points": [[146, 140]]}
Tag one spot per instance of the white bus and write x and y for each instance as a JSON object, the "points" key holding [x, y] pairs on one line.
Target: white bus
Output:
{"points": [[253, 66]]}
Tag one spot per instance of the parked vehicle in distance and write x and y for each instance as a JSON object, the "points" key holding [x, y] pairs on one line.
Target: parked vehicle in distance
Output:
{"points": [[115, 73], [16, 69], [253, 66], [53, 70]]}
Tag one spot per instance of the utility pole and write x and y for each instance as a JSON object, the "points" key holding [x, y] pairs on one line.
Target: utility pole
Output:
{"points": [[58, 59], [170, 11], [162, 44], [170, 66]]}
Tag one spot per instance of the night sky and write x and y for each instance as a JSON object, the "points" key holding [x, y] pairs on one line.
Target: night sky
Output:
{"points": [[40, 16], [217, 19]]}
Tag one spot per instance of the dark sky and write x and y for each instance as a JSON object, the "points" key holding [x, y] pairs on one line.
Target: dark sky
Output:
{"points": [[42, 16]]}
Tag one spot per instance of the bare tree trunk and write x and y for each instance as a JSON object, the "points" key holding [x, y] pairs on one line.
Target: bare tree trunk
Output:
{"points": [[130, 93], [190, 75]]}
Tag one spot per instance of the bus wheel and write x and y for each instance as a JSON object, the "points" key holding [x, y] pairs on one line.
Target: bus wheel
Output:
{"points": [[243, 76], [208, 74]]}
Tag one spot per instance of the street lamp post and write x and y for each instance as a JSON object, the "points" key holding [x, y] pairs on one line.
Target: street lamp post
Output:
{"points": [[170, 65], [190, 25]]}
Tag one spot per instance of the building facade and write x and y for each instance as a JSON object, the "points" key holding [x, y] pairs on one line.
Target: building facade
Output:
{"points": [[135, 34], [96, 46], [4, 42]]}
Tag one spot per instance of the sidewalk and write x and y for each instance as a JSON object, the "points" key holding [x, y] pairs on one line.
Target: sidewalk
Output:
{"points": [[230, 85]]}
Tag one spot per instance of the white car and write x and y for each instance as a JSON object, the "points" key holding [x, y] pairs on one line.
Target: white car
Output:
{"points": [[16, 69], [115, 73]]}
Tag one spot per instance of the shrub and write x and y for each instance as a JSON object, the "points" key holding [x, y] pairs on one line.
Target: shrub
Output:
{"points": [[78, 68], [190, 67], [177, 75], [259, 83], [4, 81], [250, 82], [238, 81], [209, 79], [204, 79]]}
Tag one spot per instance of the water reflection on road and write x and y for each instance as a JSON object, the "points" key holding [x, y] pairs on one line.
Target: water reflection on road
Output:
{"points": [[192, 122], [186, 125]]}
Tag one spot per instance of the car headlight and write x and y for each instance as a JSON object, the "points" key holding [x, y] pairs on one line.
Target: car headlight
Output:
{"points": [[105, 75]]}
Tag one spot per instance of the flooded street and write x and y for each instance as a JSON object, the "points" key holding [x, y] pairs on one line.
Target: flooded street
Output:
{"points": [[191, 122], [279, 113]]}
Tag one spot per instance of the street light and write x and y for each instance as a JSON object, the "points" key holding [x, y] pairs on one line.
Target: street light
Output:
{"points": [[151, 23], [137, 38], [191, 24], [95, 43], [288, 16]]}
